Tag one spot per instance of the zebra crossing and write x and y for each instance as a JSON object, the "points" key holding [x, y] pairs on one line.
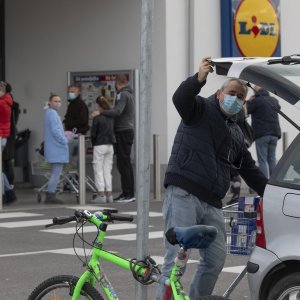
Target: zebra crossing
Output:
{"points": [[70, 229], [116, 231]]}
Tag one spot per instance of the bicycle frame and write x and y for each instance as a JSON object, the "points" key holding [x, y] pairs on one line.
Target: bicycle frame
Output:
{"points": [[95, 273]]}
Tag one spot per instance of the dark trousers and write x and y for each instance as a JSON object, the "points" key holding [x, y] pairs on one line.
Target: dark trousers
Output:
{"points": [[8, 170], [123, 150]]}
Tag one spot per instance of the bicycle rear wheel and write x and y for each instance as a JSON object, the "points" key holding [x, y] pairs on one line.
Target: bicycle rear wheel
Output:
{"points": [[61, 288]]}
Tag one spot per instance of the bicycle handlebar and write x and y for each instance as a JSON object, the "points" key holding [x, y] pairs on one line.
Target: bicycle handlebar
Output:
{"points": [[116, 217], [106, 215]]}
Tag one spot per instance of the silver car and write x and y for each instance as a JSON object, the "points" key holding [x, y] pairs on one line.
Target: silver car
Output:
{"points": [[274, 265]]}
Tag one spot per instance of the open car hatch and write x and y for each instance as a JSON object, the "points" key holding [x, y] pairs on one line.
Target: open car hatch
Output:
{"points": [[278, 75]]}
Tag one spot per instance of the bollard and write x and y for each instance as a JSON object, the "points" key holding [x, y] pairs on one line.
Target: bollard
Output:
{"points": [[156, 168], [82, 192], [284, 141], [1, 179]]}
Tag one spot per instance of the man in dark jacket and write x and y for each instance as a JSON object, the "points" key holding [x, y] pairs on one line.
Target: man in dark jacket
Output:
{"points": [[265, 122], [207, 143], [77, 115]]}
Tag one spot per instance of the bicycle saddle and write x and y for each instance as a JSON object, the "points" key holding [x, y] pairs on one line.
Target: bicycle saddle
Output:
{"points": [[197, 237]]}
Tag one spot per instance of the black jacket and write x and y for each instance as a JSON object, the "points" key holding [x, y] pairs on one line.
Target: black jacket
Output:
{"points": [[102, 132], [77, 116], [123, 111], [263, 109], [206, 145]]}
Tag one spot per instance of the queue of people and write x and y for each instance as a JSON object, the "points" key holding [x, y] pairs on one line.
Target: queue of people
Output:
{"points": [[112, 132]]}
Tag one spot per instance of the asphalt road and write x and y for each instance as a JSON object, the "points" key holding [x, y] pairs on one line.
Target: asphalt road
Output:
{"points": [[30, 253]]}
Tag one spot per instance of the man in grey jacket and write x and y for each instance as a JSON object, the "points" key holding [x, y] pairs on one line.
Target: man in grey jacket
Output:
{"points": [[123, 114]]}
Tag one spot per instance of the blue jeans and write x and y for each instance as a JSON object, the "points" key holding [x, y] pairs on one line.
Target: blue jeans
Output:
{"points": [[54, 179], [266, 153], [183, 209], [3, 143], [6, 184]]}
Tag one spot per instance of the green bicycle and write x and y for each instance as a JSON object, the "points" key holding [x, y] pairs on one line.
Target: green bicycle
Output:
{"points": [[144, 271]]}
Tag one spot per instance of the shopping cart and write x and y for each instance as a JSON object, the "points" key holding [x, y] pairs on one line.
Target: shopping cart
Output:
{"points": [[69, 179], [240, 225]]}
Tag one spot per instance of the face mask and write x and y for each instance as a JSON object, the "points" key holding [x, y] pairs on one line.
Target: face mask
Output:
{"points": [[71, 96], [231, 104]]}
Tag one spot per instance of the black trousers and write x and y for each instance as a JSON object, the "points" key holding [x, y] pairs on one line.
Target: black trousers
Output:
{"points": [[123, 148], [8, 170]]}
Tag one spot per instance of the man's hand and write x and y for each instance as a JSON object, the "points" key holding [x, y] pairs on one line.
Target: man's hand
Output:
{"points": [[205, 68]]}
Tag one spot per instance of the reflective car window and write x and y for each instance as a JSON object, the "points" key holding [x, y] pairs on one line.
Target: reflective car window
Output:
{"points": [[290, 72], [289, 172]]}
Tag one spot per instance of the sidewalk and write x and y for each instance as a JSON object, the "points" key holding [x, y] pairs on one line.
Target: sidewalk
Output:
{"points": [[28, 198]]}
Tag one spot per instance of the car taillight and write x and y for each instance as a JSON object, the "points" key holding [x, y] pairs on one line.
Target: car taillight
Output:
{"points": [[260, 231]]}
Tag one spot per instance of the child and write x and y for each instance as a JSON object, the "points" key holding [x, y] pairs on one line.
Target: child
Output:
{"points": [[103, 138]]}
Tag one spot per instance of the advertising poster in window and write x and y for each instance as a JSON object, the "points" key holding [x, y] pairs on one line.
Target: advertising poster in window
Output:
{"points": [[102, 83]]}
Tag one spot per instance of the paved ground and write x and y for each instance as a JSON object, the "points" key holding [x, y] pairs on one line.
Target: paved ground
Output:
{"points": [[30, 253]]}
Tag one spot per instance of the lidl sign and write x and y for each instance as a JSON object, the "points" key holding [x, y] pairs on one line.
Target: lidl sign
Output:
{"points": [[250, 28]]}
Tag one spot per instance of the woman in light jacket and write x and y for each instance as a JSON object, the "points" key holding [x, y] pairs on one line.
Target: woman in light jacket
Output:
{"points": [[55, 145]]}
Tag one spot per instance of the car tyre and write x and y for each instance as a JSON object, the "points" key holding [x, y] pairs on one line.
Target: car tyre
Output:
{"points": [[286, 287]]}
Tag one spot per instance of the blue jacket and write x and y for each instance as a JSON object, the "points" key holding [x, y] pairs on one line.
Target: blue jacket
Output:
{"points": [[55, 142], [263, 109], [206, 145]]}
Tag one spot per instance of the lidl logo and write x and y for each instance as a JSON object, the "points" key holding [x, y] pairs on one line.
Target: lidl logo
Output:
{"points": [[256, 28]]}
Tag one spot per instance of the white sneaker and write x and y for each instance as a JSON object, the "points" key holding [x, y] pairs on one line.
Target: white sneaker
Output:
{"points": [[99, 199], [110, 199]]}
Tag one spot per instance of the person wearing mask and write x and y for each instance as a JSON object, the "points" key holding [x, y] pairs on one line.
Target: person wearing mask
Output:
{"points": [[103, 138], [207, 143], [123, 114], [56, 149], [263, 109], [6, 103], [77, 115]]}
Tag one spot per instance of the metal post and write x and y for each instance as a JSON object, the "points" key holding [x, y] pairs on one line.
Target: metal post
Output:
{"points": [[81, 141], [156, 167], [144, 139], [1, 179], [284, 141]]}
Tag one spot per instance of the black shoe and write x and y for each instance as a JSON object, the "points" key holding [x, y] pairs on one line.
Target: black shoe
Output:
{"points": [[51, 199], [125, 199], [119, 197]]}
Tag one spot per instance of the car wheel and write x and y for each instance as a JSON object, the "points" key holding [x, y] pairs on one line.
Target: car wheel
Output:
{"points": [[286, 288]]}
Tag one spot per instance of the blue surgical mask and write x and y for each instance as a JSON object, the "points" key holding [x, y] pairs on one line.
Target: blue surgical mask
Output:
{"points": [[71, 96], [231, 104]]}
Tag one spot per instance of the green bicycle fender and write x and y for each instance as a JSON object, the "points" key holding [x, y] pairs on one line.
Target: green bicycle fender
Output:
{"points": [[80, 283]]}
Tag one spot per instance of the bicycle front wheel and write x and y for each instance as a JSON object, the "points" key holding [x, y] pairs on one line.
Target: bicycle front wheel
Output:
{"points": [[61, 288]]}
